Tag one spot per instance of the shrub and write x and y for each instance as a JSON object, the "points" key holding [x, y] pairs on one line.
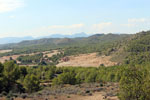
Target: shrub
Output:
{"points": [[31, 83], [65, 78]]}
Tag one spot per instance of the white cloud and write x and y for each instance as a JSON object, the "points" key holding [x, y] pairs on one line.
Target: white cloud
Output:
{"points": [[10, 5], [102, 26], [12, 17], [66, 26], [135, 22], [131, 26], [134, 25], [56, 29]]}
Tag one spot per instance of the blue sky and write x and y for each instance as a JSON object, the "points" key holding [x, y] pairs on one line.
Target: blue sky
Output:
{"points": [[45, 17]]}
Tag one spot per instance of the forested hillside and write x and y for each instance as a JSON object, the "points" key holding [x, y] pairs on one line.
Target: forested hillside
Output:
{"points": [[128, 49], [95, 43], [132, 76], [138, 48]]}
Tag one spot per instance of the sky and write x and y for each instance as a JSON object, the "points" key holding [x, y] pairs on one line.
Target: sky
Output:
{"points": [[36, 18]]}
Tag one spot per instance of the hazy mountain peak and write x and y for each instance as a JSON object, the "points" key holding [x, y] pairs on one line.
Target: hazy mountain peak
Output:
{"points": [[6, 40], [82, 34], [20, 39]]}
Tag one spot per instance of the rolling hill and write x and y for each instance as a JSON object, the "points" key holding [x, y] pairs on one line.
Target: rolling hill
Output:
{"points": [[94, 43], [121, 48]]}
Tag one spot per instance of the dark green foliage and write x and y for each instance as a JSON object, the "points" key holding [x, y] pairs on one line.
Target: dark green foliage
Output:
{"points": [[1, 77], [134, 80], [30, 59], [87, 75], [134, 84], [1, 69], [31, 83], [51, 71], [55, 58], [23, 71], [11, 74], [139, 49], [65, 78], [42, 63], [92, 76]]}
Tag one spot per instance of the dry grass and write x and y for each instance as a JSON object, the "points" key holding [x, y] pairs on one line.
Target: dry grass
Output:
{"points": [[50, 54], [5, 51], [87, 60], [2, 59]]}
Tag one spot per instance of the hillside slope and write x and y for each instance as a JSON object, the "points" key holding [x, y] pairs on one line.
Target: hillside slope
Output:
{"points": [[122, 49], [134, 50], [95, 43], [139, 48]]}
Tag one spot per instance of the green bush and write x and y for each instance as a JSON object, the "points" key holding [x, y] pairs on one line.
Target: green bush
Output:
{"points": [[65, 78], [134, 84], [31, 83]]}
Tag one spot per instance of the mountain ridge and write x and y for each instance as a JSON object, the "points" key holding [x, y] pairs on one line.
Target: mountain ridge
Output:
{"points": [[7, 40]]}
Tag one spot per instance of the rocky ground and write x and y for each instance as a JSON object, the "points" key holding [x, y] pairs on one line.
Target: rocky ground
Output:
{"points": [[91, 91]]}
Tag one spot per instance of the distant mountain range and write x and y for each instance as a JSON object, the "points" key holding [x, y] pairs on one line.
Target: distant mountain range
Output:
{"points": [[19, 39], [14, 39], [124, 48], [69, 36]]}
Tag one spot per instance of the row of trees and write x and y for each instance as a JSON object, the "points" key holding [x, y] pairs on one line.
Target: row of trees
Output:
{"points": [[16, 79], [87, 75], [27, 79], [28, 59], [134, 81]]}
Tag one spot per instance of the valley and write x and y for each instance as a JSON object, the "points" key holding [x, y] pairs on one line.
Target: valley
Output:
{"points": [[89, 68], [74, 50]]}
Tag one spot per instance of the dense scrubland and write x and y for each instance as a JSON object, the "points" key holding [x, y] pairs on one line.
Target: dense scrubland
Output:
{"points": [[132, 73], [134, 80]]}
